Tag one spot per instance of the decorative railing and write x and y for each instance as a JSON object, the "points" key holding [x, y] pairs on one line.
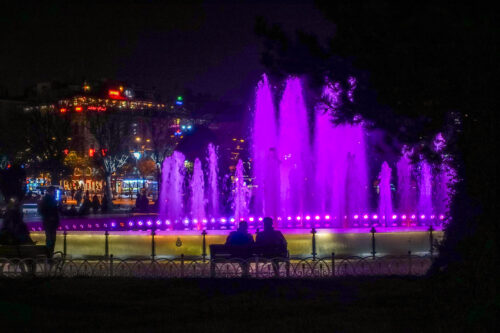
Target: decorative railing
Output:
{"points": [[198, 267]]}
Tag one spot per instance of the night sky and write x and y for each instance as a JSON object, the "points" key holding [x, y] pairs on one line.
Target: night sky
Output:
{"points": [[209, 47]]}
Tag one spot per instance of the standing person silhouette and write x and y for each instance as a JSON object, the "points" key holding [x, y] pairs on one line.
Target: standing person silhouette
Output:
{"points": [[50, 217]]}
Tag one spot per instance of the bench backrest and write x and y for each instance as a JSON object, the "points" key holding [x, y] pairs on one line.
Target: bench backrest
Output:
{"points": [[23, 251]]}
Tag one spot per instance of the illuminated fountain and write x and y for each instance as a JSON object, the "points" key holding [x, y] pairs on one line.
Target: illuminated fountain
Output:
{"points": [[305, 171]]}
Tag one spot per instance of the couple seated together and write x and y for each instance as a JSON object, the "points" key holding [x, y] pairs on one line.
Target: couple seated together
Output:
{"points": [[267, 242]]}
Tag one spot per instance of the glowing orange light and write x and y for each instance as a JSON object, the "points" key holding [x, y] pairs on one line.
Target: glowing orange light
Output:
{"points": [[91, 152], [78, 109], [63, 110], [66, 151], [114, 93]]}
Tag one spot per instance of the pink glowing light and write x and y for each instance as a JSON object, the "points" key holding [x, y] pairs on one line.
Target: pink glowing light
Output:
{"points": [[356, 216], [422, 217], [375, 216], [403, 217], [251, 219], [327, 217], [394, 217], [365, 216], [289, 218], [232, 219], [413, 217], [139, 223], [298, 218], [441, 217], [308, 217], [260, 219], [149, 223], [204, 221], [316, 217], [223, 220], [433, 217]]}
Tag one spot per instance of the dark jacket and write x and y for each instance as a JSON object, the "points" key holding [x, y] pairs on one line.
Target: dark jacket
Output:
{"points": [[50, 212], [239, 238]]}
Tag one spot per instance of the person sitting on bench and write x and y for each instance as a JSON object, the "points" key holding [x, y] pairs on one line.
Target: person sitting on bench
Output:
{"points": [[270, 238], [241, 241], [271, 243], [240, 237]]}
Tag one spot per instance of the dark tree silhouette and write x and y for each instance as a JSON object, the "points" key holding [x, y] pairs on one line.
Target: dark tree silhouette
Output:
{"points": [[112, 132], [47, 138]]}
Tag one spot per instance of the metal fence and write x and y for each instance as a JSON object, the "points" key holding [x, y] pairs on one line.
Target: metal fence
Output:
{"points": [[198, 267]]}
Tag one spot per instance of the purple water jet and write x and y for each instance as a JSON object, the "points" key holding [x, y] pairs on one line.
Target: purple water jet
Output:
{"points": [[171, 195], [385, 197], [425, 188], [213, 183], [293, 149], [341, 178], [197, 186], [264, 154], [240, 193], [406, 190]]}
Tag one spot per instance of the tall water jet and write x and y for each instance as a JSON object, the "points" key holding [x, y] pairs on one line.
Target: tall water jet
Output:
{"points": [[213, 183], [341, 177], [293, 149], [405, 190], [385, 198], [425, 188], [265, 158], [241, 193], [171, 195], [197, 187]]}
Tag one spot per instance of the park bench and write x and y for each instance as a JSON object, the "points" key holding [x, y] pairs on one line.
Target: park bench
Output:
{"points": [[24, 258], [246, 255]]}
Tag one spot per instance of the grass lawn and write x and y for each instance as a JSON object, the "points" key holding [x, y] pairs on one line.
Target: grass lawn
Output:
{"points": [[226, 305]]}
